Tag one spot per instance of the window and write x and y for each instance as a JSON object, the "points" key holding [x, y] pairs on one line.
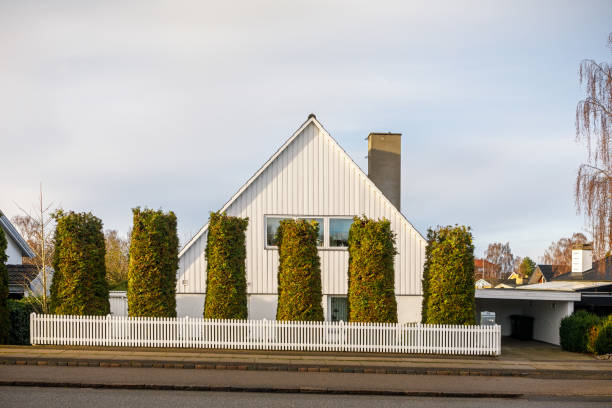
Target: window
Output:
{"points": [[272, 224], [338, 309], [321, 238], [338, 231], [333, 232]]}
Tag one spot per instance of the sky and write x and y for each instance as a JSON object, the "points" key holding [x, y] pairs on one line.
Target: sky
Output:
{"points": [[175, 104]]}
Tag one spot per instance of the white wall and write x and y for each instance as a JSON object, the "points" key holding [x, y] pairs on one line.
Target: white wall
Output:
{"points": [[262, 307], [547, 318], [312, 176], [547, 315], [118, 302], [191, 305], [409, 309], [12, 251]]}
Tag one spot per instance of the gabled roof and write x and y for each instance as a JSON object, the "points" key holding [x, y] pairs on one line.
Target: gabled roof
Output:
{"points": [[16, 236], [311, 120], [550, 271]]}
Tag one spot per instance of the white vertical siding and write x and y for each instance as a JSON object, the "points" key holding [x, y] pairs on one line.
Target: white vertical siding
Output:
{"points": [[312, 176]]}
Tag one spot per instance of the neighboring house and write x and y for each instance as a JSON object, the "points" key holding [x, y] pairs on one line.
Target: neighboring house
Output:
{"points": [[506, 284], [485, 269], [546, 273], [20, 275], [587, 286], [482, 284], [511, 282], [312, 177]]}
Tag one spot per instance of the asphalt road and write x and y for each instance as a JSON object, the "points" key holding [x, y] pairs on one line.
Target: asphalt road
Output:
{"points": [[25, 397]]}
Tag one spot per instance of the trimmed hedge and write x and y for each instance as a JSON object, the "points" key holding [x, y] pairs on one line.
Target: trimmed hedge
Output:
{"points": [[226, 296], [603, 343], [79, 284], [448, 276], [576, 331], [20, 311], [299, 271], [153, 264], [371, 274], [4, 290]]}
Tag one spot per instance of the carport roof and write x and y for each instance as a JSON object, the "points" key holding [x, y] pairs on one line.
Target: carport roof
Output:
{"points": [[566, 286], [533, 294]]}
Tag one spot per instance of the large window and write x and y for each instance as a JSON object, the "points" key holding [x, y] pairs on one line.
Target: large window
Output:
{"points": [[338, 231], [321, 238], [333, 231], [272, 224]]}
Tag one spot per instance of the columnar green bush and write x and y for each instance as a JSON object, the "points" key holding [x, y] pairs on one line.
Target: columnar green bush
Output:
{"points": [[4, 291], [153, 264], [299, 271], [226, 296], [575, 331], [79, 280], [448, 276], [426, 269], [371, 274]]}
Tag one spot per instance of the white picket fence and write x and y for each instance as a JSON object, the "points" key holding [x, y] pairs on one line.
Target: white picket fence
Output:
{"points": [[123, 331]]}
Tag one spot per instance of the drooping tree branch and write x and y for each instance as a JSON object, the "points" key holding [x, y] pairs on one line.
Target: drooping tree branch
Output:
{"points": [[593, 192]]}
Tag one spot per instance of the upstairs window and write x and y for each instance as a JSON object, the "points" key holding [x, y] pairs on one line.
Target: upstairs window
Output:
{"points": [[338, 231], [321, 238], [333, 232]]}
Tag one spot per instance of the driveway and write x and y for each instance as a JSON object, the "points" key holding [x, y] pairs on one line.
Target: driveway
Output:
{"points": [[513, 349]]}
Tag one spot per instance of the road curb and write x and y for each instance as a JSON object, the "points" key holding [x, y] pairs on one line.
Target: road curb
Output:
{"points": [[309, 368], [296, 390]]}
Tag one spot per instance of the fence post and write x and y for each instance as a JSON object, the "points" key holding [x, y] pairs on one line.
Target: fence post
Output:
{"points": [[32, 317]]}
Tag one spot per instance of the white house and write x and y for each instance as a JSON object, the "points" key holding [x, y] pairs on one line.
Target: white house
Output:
{"points": [[311, 176], [20, 275]]}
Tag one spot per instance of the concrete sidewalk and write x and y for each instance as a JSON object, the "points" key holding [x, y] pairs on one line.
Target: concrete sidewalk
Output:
{"points": [[300, 382], [528, 360]]}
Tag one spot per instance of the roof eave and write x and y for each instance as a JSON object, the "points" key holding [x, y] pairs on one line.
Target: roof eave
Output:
{"points": [[26, 251]]}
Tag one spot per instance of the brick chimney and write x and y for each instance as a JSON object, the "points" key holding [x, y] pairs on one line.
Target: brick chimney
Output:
{"points": [[385, 164], [582, 258]]}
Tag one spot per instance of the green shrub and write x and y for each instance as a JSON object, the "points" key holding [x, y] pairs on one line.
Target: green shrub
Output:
{"points": [[371, 275], [448, 276], [4, 290], [592, 335], [20, 311], [153, 264], [603, 343], [299, 271], [226, 296], [79, 284], [575, 330]]}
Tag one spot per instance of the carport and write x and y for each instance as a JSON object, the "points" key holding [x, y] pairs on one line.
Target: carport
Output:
{"points": [[546, 306]]}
